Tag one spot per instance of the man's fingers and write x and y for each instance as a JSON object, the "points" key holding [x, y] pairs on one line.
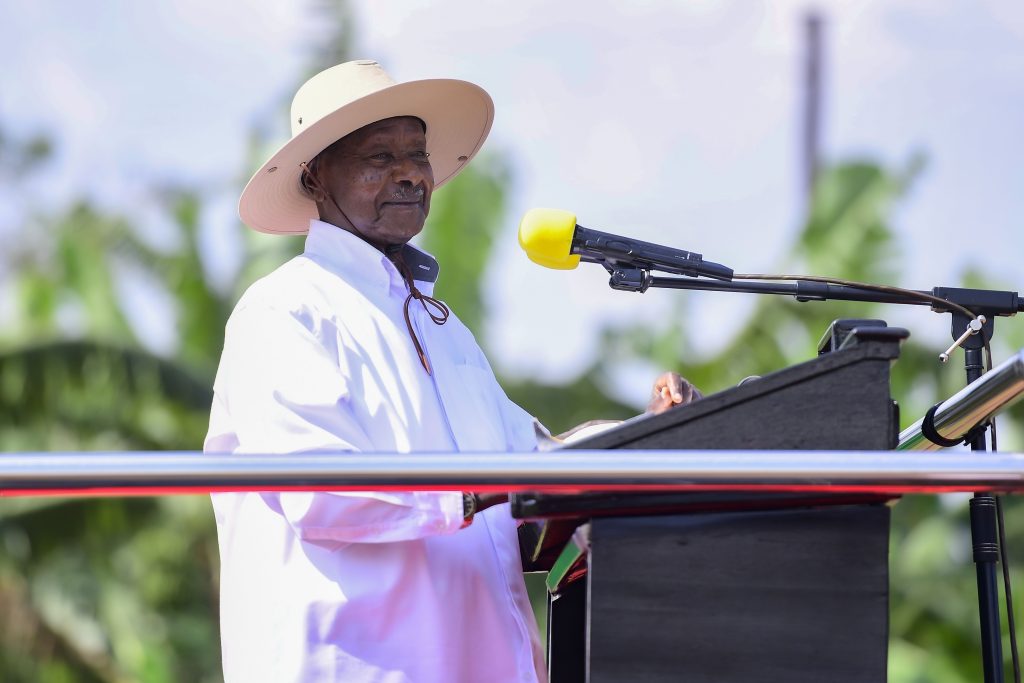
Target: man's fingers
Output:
{"points": [[672, 386], [676, 382], [671, 389]]}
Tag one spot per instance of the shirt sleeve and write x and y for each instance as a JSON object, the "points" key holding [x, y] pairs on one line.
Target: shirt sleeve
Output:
{"points": [[279, 390]]}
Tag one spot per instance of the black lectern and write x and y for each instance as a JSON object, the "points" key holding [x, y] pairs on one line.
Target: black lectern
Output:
{"points": [[735, 586]]}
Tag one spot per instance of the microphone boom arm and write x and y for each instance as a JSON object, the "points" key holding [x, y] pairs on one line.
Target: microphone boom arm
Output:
{"points": [[987, 302]]}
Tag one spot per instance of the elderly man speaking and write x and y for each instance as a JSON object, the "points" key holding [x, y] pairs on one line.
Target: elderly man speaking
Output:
{"points": [[344, 349]]}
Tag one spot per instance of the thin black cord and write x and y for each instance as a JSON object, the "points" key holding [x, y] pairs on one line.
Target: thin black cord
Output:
{"points": [[888, 289], [1007, 592], [1003, 551]]}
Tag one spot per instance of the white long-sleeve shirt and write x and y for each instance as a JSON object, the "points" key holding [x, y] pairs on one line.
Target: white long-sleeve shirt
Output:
{"points": [[363, 587]]}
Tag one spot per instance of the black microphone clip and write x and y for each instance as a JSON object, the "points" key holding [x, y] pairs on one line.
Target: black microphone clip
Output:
{"points": [[629, 279]]}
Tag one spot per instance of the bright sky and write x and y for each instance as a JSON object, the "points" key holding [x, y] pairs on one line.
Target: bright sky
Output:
{"points": [[675, 122]]}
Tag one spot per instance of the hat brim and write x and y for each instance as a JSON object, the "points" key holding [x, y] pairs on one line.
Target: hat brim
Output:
{"points": [[458, 116]]}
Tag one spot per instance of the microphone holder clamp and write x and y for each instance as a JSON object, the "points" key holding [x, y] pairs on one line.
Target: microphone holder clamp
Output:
{"points": [[628, 279]]}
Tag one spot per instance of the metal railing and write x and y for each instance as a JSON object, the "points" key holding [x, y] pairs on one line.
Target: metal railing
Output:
{"points": [[150, 473]]}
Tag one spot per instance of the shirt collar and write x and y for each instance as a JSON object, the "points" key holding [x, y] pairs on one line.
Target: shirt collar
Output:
{"points": [[348, 256]]}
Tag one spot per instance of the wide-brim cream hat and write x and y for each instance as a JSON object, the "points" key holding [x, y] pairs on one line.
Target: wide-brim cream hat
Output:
{"points": [[345, 98]]}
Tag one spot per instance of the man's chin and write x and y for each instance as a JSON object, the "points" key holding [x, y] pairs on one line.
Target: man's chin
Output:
{"points": [[400, 234]]}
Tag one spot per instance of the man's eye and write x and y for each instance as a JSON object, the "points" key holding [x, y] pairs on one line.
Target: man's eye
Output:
{"points": [[420, 156], [383, 157]]}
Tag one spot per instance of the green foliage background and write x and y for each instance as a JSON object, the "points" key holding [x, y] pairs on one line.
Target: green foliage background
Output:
{"points": [[126, 589]]}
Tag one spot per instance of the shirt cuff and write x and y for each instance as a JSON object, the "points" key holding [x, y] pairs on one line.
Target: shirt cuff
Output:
{"points": [[451, 509]]}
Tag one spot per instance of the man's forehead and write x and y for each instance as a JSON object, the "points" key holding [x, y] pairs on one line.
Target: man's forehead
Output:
{"points": [[382, 128]]}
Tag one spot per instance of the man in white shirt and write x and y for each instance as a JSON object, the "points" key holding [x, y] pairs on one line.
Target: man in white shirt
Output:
{"points": [[345, 349]]}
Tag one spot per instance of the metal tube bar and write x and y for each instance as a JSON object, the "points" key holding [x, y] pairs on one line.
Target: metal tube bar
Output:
{"points": [[995, 390], [186, 472]]}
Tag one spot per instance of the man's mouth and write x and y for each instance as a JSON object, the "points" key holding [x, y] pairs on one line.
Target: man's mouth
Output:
{"points": [[413, 197], [407, 202]]}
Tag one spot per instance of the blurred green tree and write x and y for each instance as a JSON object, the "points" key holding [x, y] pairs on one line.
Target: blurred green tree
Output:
{"points": [[115, 589]]}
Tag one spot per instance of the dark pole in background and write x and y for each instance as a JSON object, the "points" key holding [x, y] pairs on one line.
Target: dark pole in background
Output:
{"points": [[810, 137]]}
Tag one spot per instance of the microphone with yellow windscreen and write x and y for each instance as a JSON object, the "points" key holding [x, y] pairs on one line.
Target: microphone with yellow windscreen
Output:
{"points": [[552, 238], [546, 237]]}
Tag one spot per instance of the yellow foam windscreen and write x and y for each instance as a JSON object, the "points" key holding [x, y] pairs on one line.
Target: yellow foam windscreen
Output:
{"points": [[546, 237]]}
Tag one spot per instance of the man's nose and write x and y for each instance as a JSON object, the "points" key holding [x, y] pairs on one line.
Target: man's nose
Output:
{"points": [[407, 170]]}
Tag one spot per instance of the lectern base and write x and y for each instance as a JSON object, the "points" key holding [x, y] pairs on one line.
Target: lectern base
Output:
{"points": [[781, 595]]}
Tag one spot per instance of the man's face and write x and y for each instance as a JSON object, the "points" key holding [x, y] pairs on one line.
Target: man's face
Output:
{"points": [[381, 179]]}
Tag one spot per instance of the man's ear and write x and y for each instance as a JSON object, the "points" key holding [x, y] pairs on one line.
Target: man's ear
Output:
{"points": [[312, 185], [317, 193]]}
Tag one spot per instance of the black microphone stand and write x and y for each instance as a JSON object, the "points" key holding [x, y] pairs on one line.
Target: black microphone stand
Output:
{"points": [[981, 302]]}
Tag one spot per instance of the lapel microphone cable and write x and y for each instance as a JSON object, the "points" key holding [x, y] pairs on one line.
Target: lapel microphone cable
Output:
{"points": [[434, 308]]}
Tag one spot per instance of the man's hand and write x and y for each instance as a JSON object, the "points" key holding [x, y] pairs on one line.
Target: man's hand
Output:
{"points": [[486, 500], [671, 390]]}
